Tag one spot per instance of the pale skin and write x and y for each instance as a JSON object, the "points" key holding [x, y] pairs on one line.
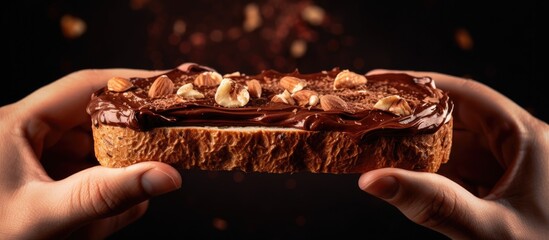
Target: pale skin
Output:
{"points": [[47, 134], [495, 185]]}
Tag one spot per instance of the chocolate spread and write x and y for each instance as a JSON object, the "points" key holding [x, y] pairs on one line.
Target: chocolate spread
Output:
{"points": [[431, 107]]}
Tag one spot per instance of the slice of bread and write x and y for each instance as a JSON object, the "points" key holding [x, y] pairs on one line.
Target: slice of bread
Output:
{"points": [[327, 122]]}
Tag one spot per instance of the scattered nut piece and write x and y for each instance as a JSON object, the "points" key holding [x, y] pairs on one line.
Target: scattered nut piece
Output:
{"points": [[348, 79], [425, 81], [284, 97], [72, 27], [306, 97], [230, 94], [292, 84], [436, 96], [254, 87], [431, 100], [119, 84], [313, 14], [162, 86], [394, 104], [314, 100], [230, 75], [333, 102], [208, 79], [187, 91]]}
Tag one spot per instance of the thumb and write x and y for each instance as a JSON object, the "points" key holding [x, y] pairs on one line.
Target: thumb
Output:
{"points": [[100, 192], [430, 200]]}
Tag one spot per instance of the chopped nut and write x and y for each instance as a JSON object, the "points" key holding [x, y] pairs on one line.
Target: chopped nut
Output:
{"points": [[230, 75], [284, 97], [72, 27], [119, 84], [252, 17], [431, 100], [314, 100], [436, 95], [231, 94], [187, 91], [306, 97], [208, 79], [394, 104], [348, 79], [162, 86], [333, 102], [254, 87], [292, 84]]}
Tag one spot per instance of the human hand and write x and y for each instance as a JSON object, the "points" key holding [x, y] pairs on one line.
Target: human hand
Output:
{"points": [[495, 185], [48, 187]]}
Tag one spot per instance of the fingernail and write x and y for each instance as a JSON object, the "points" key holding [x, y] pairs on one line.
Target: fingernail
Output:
{"points": [[156, 182], [384, 187]]}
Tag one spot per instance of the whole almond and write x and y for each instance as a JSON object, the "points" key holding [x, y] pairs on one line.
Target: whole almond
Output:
{"points": [[306, 97], [119, 84], [162, 86], [292, 84], [333, 102], [208, 79], [348, 79], [254, 87]]}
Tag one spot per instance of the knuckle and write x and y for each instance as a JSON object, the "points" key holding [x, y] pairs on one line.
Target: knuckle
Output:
{"points": [[437, 211], [85, 73], [95, 200]]}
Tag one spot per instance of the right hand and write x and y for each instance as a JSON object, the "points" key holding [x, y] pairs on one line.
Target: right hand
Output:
{"points": [[496, 183]]}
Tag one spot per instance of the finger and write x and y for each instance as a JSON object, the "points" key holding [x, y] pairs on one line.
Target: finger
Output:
{"points": [[73, 152], [473, 94], [73, 144], [100, 192], [469, 164], [434, 202], [105, 227], [62, 104], [482, 110]]}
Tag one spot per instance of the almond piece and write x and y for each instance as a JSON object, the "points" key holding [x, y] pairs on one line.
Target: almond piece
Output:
{"points": [[306, 97], [284, 97], [231, 94], [333, 102], [314, 100], [348, 79], [119, 84], [187, 91], [208, 79], [233, 74], [254, 87], [162, 86], [394, 104], [292, 84], [430, 100]]}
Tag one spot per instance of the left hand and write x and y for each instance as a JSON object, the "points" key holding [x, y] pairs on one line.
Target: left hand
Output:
{"points": [[49, 186]]}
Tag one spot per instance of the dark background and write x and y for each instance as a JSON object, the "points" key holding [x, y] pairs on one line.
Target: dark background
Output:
{"points": [[496, 43]]}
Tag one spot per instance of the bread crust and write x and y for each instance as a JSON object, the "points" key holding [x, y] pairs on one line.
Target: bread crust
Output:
{"points": [[272, 150]]}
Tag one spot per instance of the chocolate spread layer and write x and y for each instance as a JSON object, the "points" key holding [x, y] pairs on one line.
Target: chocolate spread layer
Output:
{"points": [[431, 107]]}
